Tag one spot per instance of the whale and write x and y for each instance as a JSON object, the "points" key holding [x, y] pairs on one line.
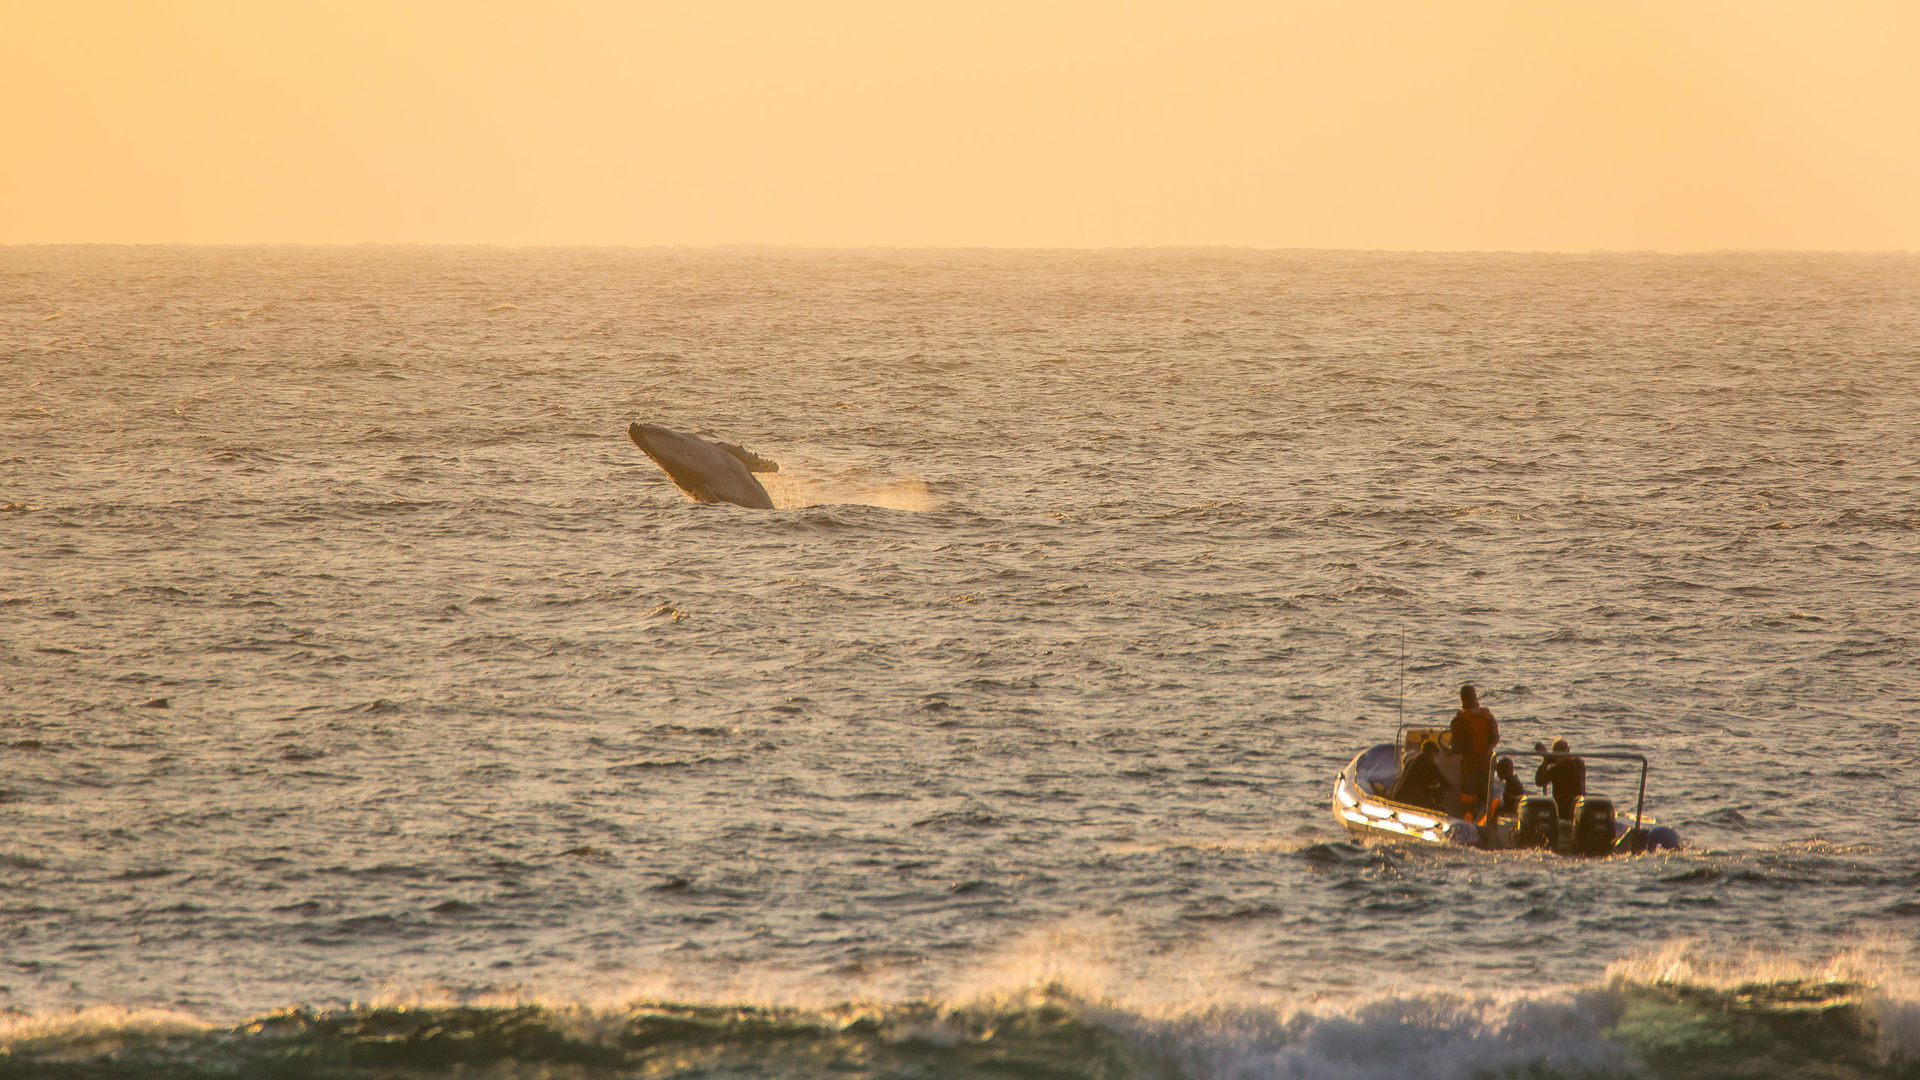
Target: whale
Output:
{"points": [[708, 472]]}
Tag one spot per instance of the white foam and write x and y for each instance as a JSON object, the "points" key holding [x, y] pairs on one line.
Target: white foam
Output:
{"points": [[100, 1025], [1417, 1037]]}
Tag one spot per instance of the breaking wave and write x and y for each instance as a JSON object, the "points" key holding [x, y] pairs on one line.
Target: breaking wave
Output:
{"points": [[1667, 1015]]}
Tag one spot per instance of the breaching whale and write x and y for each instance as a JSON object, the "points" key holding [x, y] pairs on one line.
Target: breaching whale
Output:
{"points": [[709, 472]]}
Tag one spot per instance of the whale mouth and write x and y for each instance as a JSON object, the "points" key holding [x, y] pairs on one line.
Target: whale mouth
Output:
{"points": [[654, 442], [638, 433]]}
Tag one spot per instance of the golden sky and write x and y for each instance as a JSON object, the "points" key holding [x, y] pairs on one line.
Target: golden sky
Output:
{"points": [[1406, 124]]}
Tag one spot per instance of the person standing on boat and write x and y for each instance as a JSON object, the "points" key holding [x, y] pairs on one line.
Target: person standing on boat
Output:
{"points": [[1475, 733], [1563, 775]]}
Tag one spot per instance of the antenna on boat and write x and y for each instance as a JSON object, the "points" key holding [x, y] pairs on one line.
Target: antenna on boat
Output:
{"points": [[1402, 708]]}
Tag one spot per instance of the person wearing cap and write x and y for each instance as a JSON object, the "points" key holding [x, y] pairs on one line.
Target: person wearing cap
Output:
{"points": [[1563, 775], [1474, 735]]}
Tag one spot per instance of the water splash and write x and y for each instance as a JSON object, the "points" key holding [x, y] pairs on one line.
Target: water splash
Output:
{"points": [[794, 488]]}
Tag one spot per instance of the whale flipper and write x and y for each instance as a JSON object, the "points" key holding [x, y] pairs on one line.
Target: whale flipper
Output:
{"points": [[707, 472], [754, 462]]}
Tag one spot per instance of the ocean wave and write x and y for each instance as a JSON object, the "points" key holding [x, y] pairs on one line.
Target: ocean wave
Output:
{"points": [[1668, 1015]]}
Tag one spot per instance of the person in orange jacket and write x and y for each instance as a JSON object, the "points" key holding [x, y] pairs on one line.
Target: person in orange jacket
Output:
{"points": [[1474, 734]]}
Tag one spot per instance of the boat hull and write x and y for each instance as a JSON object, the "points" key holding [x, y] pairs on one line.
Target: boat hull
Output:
{"points": [[1370, 815]]}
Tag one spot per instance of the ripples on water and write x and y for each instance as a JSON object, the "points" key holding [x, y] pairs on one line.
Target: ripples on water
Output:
{"points": [[1091, 569]]}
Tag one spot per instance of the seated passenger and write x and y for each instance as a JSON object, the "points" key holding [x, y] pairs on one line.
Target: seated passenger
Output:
{"points": [[1507, 789], [1562, 775], [1421, 782]]}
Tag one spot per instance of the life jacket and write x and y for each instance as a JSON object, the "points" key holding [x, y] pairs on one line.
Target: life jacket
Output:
{"points": [[1479, 730]]}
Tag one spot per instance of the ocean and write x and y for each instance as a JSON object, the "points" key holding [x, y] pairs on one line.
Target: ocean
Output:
{"points": [[373, 707]]}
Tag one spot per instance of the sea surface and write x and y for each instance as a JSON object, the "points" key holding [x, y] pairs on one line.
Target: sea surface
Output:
{"points": [[371, 706]]}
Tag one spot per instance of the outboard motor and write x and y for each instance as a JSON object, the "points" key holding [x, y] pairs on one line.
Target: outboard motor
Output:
{"points": [[1539, 823], [1592, 825]]}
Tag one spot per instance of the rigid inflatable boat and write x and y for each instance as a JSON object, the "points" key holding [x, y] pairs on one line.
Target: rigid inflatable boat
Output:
{"points": [[1363, 803]]}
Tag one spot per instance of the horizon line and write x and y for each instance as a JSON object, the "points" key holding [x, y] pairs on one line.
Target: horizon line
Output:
{"points": [[754, 245]]}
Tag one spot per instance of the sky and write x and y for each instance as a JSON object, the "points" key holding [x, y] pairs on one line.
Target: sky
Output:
{"points": [[1557, 125]]}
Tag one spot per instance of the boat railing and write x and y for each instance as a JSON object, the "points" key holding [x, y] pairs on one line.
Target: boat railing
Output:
{"points": [[1639, 804]]}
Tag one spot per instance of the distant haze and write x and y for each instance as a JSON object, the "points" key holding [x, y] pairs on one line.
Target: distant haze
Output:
{"points": [[1530, 125]]}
